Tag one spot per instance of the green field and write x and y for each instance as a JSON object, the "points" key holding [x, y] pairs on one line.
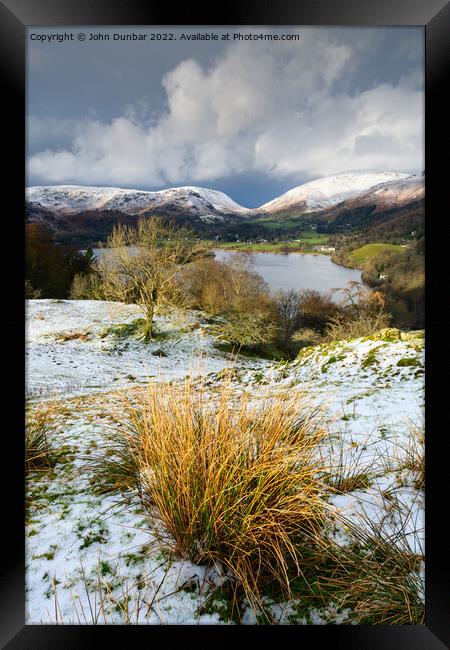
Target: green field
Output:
{"points": [[368, 251], [272, 224], [304, 242]]}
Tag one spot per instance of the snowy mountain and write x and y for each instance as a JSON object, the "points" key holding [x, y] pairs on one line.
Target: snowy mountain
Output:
{"points": [[389, 187], [394, 193], [329, 191], [67, 199], [349, 201]]}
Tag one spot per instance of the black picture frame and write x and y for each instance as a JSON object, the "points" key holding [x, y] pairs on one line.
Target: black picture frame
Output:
{"points": [[434, 16]]}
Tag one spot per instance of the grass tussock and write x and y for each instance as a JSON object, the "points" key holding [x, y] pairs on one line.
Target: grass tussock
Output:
{"points": [[380, 582], [351, 483], [410, 458], [231, 484], [117, 466], [348, 470], [40, 421]]}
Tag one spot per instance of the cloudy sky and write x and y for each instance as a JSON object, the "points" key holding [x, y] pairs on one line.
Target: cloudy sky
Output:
{"points": [[251, 118]]}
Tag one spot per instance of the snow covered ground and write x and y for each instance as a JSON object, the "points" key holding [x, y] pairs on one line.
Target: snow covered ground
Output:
{"points": [[68, 352], [373, 393], [372, 390], [74, 536]]}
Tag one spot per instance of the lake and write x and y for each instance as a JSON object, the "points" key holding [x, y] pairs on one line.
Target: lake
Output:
{"points": [[292, 271], [297, 270]]}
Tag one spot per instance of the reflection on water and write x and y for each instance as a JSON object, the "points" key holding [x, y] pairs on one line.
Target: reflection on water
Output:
{"points": [[297, 271]]}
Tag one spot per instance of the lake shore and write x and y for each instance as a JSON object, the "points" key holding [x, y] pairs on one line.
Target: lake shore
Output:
{"points": [[251, 248]]}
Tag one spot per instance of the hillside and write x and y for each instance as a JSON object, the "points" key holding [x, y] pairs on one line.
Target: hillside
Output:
{"points": [[327, 192], [387, 211], [369, 391], [85, 215], [394, 208], [361, 255]]}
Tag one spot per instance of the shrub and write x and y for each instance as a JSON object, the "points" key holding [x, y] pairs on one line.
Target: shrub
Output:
{"points": [[219, 288], [230, 484], [343, 326], [235, 296], [207, 286], [246, 329], [84, 287], [30, 291], [315, 309], [306, 336], [39, 429]]}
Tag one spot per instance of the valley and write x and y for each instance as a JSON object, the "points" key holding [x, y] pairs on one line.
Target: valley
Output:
{"points": [[162, 372], [341, 204]]}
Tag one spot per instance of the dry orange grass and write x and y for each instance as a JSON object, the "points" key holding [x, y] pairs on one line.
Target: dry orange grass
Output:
{"points": [[233, 484], [39, 431]]}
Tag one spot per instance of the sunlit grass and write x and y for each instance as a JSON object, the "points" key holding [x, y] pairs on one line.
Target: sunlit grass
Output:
{"points": [[230, 483], [39, 431]]}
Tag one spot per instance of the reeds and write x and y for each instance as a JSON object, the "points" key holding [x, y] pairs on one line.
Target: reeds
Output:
{"points": [[112, 598]]}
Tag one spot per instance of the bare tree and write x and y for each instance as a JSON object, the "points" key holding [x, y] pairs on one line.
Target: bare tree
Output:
{"points": [[288, 311], [315, 309], [361, 313], [144, 264], [357, 298], [248, 287]]}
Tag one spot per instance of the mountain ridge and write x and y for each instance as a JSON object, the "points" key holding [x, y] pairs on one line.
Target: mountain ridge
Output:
{"points": [[74, 198], [325, 192], [336, 204], [330, 190]]}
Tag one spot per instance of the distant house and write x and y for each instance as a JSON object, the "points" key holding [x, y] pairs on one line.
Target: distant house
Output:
{"points": [[324, 249]]}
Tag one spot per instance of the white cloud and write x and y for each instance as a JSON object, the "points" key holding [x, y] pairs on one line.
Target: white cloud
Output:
{"points": [[277, 108]]}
